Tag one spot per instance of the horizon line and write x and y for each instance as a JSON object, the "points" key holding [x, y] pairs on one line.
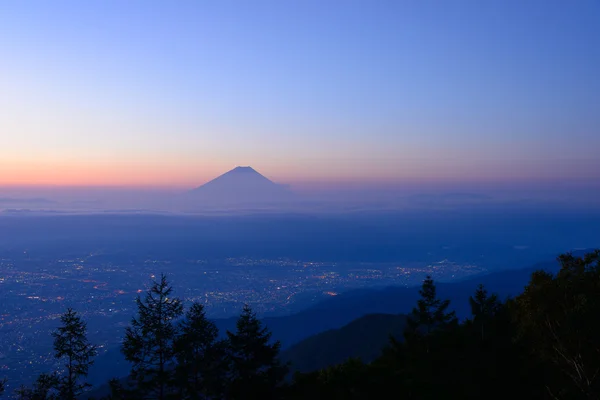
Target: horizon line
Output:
{"points": [[319, 183]]}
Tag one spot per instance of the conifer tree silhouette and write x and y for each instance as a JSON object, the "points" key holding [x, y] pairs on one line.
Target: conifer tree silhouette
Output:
{"points": [[149, 341], [71, 345]]}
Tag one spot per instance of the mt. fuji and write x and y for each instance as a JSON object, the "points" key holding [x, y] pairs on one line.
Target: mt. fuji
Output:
{"points": [[242, 185]]}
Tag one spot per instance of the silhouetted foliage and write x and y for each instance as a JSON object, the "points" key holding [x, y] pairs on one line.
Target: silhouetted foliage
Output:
{"points": [[149, 341], [439, 358], [431, 313], [484, 308], [72, 346], [255, 371], [332, 382], [201, 369], [544, 344], [558, 315]]}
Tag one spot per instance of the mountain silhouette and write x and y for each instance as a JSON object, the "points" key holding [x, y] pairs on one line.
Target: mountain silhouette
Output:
{"points": [[241, 185]]}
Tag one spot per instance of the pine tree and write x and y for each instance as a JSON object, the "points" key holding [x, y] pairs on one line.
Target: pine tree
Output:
{"points": [[148, 343], [2, 383], [483, 308], [430, 313], [72, 346], [255, 370], [201, 356]]}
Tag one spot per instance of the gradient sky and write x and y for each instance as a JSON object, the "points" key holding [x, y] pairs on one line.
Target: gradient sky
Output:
{"points": [[172, 93]]}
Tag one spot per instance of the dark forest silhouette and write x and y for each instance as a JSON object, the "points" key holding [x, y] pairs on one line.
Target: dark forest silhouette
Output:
{"points": [[542, 344]]}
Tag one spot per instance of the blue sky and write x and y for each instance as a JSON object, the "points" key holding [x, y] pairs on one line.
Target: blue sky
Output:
{"points": [[175, 92]]}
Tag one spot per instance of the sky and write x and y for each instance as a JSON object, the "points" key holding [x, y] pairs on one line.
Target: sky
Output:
{"points": [[174, 93]]}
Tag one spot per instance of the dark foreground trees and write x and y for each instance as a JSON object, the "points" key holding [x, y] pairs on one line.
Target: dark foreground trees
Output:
{"points": [[187, 360], [560, 316], [73, 348], [255, 370], [431, 313], [543, 344], [201, 371], [172, 357], [149, 341]]}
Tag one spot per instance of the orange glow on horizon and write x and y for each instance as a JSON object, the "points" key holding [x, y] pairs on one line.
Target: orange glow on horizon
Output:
{"points": [[169, 173], [103, 174]]}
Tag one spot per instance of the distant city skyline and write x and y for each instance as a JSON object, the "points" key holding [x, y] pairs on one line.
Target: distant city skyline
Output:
{"points": [[164, 94]]}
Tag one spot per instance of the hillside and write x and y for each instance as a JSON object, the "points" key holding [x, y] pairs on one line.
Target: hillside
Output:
{"points": [[363, 338]]}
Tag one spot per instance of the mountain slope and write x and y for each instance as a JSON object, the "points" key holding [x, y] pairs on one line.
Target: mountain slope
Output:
{"points": [[364, 337]]}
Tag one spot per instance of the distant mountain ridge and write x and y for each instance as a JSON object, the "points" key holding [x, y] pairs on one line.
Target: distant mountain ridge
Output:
{"points": [[33, 200]]}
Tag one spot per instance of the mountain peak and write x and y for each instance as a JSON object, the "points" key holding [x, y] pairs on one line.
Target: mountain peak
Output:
{"points": [[241, 173], [243, 169], [242, 184]]}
